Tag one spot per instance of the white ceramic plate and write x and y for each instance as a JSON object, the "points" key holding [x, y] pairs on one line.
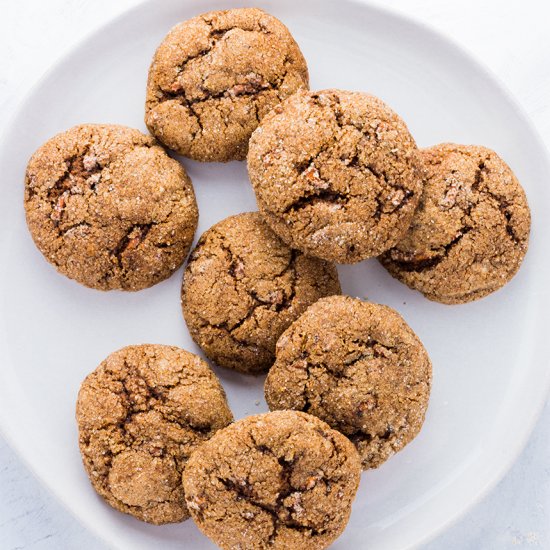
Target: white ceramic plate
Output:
{"points": [[490, 367]]}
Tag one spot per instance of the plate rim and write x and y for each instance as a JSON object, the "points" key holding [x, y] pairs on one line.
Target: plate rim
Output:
{"points": [[384, 10]]}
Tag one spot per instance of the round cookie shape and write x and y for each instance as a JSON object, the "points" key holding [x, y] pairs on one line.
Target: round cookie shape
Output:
{"points": [[470, 232], [359, 367], [109, 208], [335, 174], [277, 480], [243, 287], [215, 76], [140, 415]]}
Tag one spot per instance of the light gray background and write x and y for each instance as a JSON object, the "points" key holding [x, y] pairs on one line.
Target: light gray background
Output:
{"points": [[511, 37]]}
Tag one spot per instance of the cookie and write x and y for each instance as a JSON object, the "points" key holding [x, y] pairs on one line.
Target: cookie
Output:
{"points": [[140, 415], [109, 208], [335, 174], [282, 480], [243, 287], [359, 367], [215, 76], [471, 230]]}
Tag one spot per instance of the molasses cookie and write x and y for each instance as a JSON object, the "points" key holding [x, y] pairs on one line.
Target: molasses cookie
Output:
{"points": [[335, 174], [215, 76], [471, 230], [359, 367], [282, 480], [109, 208], [140, 415], [243, 287]]}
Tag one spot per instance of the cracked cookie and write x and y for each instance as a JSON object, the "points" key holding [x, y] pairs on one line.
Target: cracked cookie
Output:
{"points": [[243, 287], [359, 367], [215, 76], [335, 174], [471, 230], [140, 415], [282, 480], [109, 208]]}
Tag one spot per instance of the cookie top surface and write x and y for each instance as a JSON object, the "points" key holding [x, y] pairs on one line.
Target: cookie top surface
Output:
{"points": [[335, 174], [243, 287], [277, 480], [471, 230], [215, 76], [140, 415], [359, 367], [109, 208]]}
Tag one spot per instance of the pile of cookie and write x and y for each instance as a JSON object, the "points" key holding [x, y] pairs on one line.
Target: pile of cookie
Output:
{"points": [[338, 179]]}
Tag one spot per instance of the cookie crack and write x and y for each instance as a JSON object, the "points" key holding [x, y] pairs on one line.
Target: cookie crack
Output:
{"points": [[134, 236], [479, 176], [73, 227], [254, 85], [418, 263], [280, 513], [158, 393], [80, 169], [285, 302], [398, 197], [359, 436], [325, 196], [286, 467], [502, 203], [377, 350], [215, 36]]}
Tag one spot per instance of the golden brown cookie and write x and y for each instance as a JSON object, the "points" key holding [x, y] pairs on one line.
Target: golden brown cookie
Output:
{"points": [[140, 415], [335, 174], [282, 480], [109, 208], [215, 76], [471, 230], [359, 367], [243, 287]]}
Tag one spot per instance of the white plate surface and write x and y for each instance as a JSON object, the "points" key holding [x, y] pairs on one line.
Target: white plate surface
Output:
{"points": [[491, 371]]}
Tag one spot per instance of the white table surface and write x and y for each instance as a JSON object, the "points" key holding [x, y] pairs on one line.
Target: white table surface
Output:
{"points": [[511, 37]]}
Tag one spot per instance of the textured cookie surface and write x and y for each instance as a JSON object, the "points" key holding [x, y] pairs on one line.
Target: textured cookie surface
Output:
{"points": [[282, 480], [359, 367], [140, 415], [471, 230], [335, 174], [215, 76], [243, 287], [109, 208]]}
